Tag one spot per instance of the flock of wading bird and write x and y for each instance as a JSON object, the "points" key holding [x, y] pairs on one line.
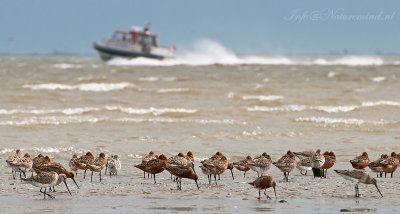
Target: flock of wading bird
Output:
{"points": [[50, 174]]}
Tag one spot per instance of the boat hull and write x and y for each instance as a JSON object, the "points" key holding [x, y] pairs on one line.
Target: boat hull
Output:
{"points": [[108, 52]]}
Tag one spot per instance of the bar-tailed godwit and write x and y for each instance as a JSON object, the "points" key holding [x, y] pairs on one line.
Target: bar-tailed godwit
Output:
{"points": [[215, 166], [360, 162], [98, 165], [22, 165], [390, 164], [330, 160], [147, 158], [83, 161], [72, 164], [358, 176], [154, 166], [376, 165], [55, 167], [264, 182], [12, 159], [304, 165], [180, 172], [243, 165], [261, 164], [304, 154], [47, 179], [286, 164]]}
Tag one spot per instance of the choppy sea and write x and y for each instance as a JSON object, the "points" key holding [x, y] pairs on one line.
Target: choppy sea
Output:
{"points": [[208, 102]]}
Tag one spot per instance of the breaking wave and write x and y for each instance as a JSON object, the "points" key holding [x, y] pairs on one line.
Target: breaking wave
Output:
{"points": [[341, 121], [209, 52], [152, 110], [79, 111], [263, 97], [89, 87], [327, 109], [66, 120]]}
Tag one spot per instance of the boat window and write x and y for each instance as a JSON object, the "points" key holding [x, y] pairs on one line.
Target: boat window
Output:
{"points": [[154, 41], [121, 36]]}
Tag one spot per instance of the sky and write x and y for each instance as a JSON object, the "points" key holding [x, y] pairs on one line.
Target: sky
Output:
{"points": [[362, 27]]}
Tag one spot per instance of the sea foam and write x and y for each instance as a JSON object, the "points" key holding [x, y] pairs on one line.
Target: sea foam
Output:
{"points": [[210, 52]]}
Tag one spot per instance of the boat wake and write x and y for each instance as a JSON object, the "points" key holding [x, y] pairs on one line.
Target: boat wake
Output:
{"points": [[209, 52]]}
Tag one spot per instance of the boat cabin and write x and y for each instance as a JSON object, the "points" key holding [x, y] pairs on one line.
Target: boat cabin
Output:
{"points": [[142, 38]]}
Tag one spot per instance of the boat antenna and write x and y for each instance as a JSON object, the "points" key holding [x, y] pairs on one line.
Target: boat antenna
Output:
{"points": [[146, 27]]}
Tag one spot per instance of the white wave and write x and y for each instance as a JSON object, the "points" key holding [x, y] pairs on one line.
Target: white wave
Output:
{"points": [[347, 60], [294, 108], [5, 111], [79, 111], [155, 79], [266, 80], [378, 79], [100, 87], [286, 108], [174, 120], [332, 74], [339, 121], [52, 120], [263, 97], [65, 120], [172, 90], [151, 110], [334, 109], [380, 103], [251, 133], [54, 150], [50, 86], [90, 87], [67, 111], [6, 150], [135, 156], [66, 66]]}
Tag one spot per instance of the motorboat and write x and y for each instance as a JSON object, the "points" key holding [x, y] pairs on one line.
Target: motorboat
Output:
{"points": [[138, 42]]}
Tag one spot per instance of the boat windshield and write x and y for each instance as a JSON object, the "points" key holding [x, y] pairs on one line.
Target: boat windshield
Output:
{"points": [[145, 39]]}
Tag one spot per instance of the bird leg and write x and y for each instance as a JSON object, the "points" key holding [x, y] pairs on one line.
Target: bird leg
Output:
{"points": [[84, 175], [44, 194], [154, 176], [91, 177], [357, 192], [259, 194], [100, 175], [265, 193], [215, 178]]}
